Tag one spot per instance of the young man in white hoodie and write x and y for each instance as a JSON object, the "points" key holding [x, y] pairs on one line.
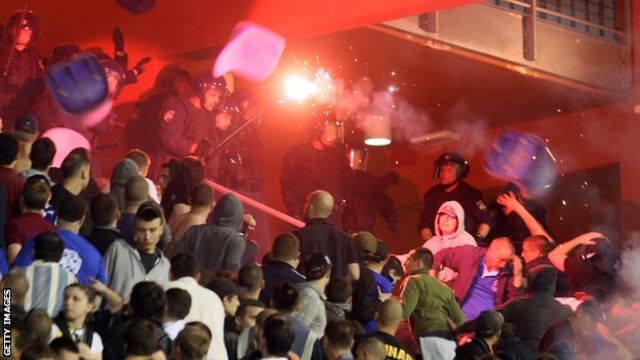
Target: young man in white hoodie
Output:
{"points": [[450, 232]]}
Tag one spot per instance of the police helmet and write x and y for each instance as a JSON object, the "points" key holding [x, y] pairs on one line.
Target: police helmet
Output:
{"points": [[229, 105], [205, 82], [11, 27], [452, 158]]}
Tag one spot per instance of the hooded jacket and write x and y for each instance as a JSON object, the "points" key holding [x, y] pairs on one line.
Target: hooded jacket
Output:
{"points": [[457, 238], [218, 245], [535, 312], [122, 172]]}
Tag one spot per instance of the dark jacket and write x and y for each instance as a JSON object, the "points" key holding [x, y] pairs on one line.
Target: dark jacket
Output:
{"points": [[218, 245], [276, 272], [365, 296], [534, 313], [473, 350], [321, 235], [514, 349], [465, 260], [103, 237]]}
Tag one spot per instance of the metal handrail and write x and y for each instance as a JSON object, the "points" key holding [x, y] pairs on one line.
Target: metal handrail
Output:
{"points": [[543, 10]]}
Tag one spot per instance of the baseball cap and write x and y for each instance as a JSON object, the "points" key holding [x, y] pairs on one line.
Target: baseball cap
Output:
{"points": [[317, 265], [224, 287], [599, 249], [26, 127], [488, 323], [366, 242], [446, 209], [382, 251]]}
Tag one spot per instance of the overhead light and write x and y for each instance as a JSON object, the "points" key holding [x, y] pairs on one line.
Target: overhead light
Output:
{"points": [[377, 130]]}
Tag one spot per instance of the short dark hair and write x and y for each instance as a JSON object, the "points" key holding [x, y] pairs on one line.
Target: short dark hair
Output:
{"points": [[178, 303], [72, 209], [285, 247], [139, 157], [43, 150], [72, 164], [250, 276], [246, 303], [148, 300], [200, 325], [48, 247], [285, 297], [149, 211], [136, 189], [423, 255], [339, 333], [35, 193], [278, 334], [91, 295], [104, 209], [184, 264], [193, 343], [8, 149], [339, 290], [540, 243], [63, 343], [140, 337], [202, 195]]}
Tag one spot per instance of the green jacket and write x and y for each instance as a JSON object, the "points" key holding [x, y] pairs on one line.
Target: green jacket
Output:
{"points": [[428, 303]]}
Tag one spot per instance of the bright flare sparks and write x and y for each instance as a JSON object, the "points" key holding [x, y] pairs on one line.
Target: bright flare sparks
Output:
{"points": [[299, 89]]}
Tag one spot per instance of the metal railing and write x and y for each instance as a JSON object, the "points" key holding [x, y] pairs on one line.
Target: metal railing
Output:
{"points": [[606, 19]]}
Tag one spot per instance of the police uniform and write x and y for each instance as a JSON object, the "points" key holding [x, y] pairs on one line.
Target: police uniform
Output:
{"points": [[307, 169], [22, 86], [182, 125], [470, 198]]}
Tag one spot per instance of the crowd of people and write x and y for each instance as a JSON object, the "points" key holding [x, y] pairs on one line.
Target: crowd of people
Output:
{"points": [[135, 270]]}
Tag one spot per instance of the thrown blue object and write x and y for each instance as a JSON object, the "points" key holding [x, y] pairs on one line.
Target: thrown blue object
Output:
{"points": [[78, 84], [524, 159]]}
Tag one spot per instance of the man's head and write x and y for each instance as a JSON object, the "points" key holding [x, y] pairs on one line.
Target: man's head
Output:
{"points": [[43, 150], [76, 167], [184, 265], [228, 292], [48, 247], [8, 149], [420, 258], [338, 337], [23, 27], [499, 253], [318, 266], [72, 211], [247, 312], [489, 325], [141, 159], [26, 128], [588, 314], [35, 194], [139, 338], [136, 191], [210, 90], [450, 168], [228, 112], [192, 343], [104, 210], [277, 336], [202, 195], [339, 290], [324, 127], [447, 220], [149, 226], [19, 285], [148, 301], [178, 303], [251, 277], [286, 247], [319, 205], [371, 349], [534, 247], [389, 315], [285, 297]]}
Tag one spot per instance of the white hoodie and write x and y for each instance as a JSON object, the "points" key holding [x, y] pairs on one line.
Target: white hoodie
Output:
{"points": [[457, 238]]}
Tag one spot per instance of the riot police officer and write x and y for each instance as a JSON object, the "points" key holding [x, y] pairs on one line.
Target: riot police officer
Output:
{"points": [[318, 164], [451, 169]]}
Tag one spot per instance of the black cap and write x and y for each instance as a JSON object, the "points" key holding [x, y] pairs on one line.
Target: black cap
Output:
{"points": [[26, 127], [224, 287], [317, 265], [488, 324]]}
